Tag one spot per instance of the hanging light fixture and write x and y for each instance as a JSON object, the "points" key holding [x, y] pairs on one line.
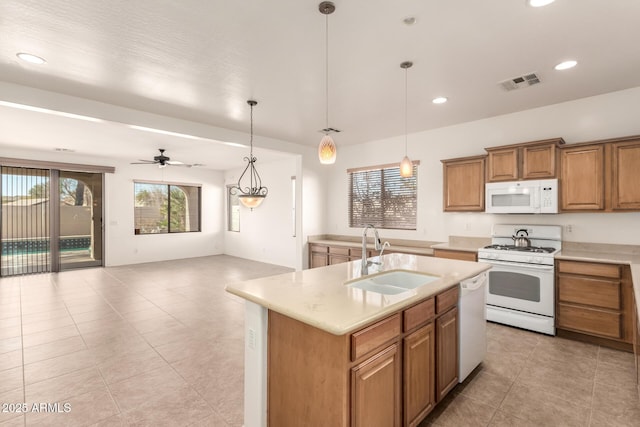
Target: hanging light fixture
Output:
{"points": [[406, 165], [327, 149], [250, 196]]}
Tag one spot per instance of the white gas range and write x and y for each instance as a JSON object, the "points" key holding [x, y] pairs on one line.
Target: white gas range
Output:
{"points": [[520, 289]]}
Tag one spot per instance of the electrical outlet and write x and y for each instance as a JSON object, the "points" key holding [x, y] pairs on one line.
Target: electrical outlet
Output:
{"points": [[568, 228]]}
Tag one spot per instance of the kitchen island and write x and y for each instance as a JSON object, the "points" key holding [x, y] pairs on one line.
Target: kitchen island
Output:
{"points": [[321, 352]]}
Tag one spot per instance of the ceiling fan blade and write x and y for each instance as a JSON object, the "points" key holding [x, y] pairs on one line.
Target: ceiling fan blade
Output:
{"points": [[174, 162], [143, 162]]}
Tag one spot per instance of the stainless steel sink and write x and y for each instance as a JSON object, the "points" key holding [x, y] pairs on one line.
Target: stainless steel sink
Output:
{"points": [[392, 282]]}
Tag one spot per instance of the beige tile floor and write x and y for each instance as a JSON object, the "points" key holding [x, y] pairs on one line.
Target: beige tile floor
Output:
{"points": [[162, 344]]}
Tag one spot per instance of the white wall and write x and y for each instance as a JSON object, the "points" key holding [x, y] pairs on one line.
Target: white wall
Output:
{"points": [[606, 116], [266, 233], [121, 245]]}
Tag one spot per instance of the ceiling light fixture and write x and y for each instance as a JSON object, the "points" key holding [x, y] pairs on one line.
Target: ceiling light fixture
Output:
{"points": [[406, 166], [539, 3], [30, 58], [566, 65], [440, 100], [327, 150], [253, 195], [410, 20]]}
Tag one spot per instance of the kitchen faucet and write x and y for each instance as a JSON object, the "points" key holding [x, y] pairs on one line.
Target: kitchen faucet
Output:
{"points": [[364, 269]]}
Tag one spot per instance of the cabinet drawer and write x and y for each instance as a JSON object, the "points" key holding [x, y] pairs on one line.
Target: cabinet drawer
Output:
{"points": [[338, 250], [368, 339], [356, 253], [319, 249], [446, 300], [589, 269], [459, 255], [419, 314], [589, 291], [590, 320]]}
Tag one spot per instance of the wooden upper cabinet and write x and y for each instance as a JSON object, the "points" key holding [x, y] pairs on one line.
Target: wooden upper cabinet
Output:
{"points": [[625, 158], [464, 184], [539, 161], [530, 160], [502, 164], [582, 180]]}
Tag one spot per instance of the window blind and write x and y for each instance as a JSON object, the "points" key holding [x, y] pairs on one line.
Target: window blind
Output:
{"points": [[381, 197]]}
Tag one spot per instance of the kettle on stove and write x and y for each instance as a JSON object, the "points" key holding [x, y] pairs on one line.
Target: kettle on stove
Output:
{"points": [[521, 240]]}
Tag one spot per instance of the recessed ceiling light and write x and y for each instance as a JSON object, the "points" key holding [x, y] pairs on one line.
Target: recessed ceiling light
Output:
{"points": [[64, 150], [539, 3], [566, 65], [439, 100], [32, 59], [410, 20]]}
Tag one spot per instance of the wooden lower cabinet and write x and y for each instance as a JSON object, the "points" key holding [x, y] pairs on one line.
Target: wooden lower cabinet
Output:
{"points": [[447, 354], [375, 390], [318, 256], [390, 373], [595, 300], [419, 374]]}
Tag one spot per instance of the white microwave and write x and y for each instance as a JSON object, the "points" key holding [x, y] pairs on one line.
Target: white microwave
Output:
{"points": [[522, 197]]}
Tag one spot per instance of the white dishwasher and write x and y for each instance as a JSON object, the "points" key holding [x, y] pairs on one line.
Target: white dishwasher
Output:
{"points": [[472, 321]]}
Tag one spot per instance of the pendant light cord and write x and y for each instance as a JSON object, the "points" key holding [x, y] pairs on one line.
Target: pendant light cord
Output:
{"points": [[406, 96], [327, 70], [251, 138]]}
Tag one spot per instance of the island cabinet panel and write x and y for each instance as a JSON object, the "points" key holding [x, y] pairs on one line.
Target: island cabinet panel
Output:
{"points": [[595, 302], [389, 373], [463, 181], [307, 375], [582, 181], [419, 374], [626, 175], [447, 353], [375, 390]]}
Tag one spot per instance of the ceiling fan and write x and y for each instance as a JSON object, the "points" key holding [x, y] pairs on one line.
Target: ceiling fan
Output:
{"points": [[162, 161]]}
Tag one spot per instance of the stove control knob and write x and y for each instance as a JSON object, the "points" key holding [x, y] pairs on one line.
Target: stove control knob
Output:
{"points": [[531, 259], [539, 260]]}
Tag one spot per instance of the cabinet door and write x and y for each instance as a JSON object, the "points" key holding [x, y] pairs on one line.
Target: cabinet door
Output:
{"points": [[463, 185], [375, 390], [447, 357], [419, 375], [502, 165], [626, 175], [318, 259], [539, 162], [582, 178]]}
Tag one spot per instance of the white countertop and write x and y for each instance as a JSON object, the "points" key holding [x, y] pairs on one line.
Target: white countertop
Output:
{"points": [[462, 247], [320, 298]]}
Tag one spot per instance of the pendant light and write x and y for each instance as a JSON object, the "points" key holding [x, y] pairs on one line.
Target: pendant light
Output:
{"points": [[406, 166], [251, 195], [327, 149]]}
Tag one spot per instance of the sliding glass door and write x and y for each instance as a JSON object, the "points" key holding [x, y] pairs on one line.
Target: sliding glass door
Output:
{"points": [[80, 210], [25, 232], [51, 220]]}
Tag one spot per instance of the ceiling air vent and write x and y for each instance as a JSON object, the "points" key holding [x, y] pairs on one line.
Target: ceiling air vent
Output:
{"points": [[520, 81]]}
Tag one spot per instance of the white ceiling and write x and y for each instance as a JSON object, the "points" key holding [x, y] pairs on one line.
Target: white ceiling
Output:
{"points": [[201, 60]]}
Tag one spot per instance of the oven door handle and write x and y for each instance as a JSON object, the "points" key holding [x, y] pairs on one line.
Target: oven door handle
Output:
{"points": [[518, 265]]}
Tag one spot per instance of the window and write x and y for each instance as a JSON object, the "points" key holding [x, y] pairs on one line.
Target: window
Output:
{"points": [[166, 208], [380, 196], [233, 210]]}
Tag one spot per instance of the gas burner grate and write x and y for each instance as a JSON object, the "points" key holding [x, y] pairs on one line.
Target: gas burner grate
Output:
{"points": [[534, 249]]}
